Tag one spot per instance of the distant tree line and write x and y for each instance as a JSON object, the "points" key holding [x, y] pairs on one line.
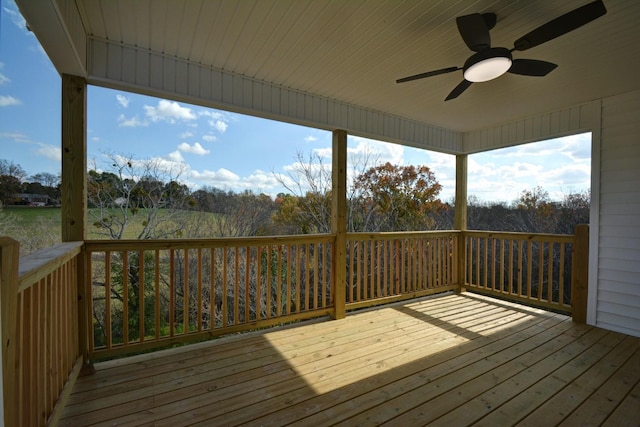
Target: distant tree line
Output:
{"points": [[145, 199], [14, 182]]}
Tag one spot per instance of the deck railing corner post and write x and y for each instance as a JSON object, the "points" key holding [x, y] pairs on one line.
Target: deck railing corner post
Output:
{"points": [[461, 261], [580, 273], [9, 264], [84, 325]]}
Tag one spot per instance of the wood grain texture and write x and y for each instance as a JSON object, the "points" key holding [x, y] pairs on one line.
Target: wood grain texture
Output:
{"points": [[451, 359], [74, 158]]}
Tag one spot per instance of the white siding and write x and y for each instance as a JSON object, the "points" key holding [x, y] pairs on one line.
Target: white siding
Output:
{"points": [[121, 66], [618, 284], [572, 120]]}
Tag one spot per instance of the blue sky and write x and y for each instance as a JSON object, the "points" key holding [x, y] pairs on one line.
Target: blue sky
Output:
{"points": [[232, 151]]}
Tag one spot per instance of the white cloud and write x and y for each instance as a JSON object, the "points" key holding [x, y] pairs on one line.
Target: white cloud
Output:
{"points": [[132, 122], [219, 120], [49, 151], [16, 137], [373, 152], [123, 100], [175, 156], [258, 181], [221, 178], [209, 138], [6, 101], [219, 125], [194, 149], [3, 79], [186, 135], [16, 17], [310, 138], [169, 111]]}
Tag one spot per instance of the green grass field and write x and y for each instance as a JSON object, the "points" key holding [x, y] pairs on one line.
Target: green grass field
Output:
{"points": [[37, 227], [28, 216]]}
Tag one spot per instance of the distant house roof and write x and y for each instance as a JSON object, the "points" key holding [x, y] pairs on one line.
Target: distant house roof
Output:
{"points": [[32, 197]]}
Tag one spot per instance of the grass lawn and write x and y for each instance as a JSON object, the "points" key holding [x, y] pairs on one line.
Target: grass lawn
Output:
{"points": [[21, 222], [29, 216]]}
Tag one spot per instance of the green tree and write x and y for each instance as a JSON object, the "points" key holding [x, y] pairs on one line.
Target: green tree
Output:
{"points": [[11, 176]]}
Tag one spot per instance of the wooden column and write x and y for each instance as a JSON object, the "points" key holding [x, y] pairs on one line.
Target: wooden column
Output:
{"points": [[74, 158], [74, 189], [580, 273], [460, 215], [339, 221], [9, 259]]}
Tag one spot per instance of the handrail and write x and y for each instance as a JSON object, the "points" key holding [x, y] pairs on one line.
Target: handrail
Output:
{"points": [[128, 244], [45, 317], [38, 265], [566, 238]]}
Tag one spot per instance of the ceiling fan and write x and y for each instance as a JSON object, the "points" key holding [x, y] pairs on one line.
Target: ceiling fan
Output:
{"points": [[491, 62]]}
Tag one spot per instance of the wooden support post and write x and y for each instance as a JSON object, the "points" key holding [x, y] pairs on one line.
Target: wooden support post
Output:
{"points": [[74, 158], [74, 190], [460, 217], [9, 259], [580, 273], [339, 221]]}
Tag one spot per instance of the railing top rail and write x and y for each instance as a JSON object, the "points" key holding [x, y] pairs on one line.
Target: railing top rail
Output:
{"points": [[39, 264], [116, 245], [391, 235], [560, 238]]}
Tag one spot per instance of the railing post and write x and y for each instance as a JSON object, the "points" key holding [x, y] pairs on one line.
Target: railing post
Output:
{"points": [[339, 220], [460, 217], [580, 273], [9, 261], [84, 328]]}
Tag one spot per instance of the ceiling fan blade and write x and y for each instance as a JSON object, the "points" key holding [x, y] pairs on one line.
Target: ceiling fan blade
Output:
{"points": [[561, 25], [474, 31], [457, 91], [531, 67], [428, 74]]}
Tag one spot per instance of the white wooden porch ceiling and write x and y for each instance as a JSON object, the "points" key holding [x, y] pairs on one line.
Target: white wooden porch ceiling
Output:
{"points": [[353, 51]]}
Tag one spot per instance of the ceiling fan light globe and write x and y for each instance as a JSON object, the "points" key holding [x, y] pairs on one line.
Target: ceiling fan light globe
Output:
{"points": [[487, 65], [487, 70]]}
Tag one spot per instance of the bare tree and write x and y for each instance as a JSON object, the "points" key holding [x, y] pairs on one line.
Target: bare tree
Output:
{"points": [[146, 190]]}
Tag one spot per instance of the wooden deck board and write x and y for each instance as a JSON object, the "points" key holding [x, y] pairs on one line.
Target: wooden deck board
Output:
{"points": [[452, 359]]}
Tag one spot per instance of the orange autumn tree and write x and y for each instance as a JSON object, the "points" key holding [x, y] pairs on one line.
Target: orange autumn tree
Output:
{"points": [[398, 198]]}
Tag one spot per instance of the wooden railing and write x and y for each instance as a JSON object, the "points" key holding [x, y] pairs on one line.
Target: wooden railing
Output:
{"points": [[534, 269], [147, 293], [41, 358], [386, 267]]}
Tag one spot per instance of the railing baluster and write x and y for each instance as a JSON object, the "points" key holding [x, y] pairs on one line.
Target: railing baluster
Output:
{"points": [[156, 280], [107, 294], [141, 289], [172, 292], [225, 278], [561, 275], [185, 293], [247, 288], [200, 300]]}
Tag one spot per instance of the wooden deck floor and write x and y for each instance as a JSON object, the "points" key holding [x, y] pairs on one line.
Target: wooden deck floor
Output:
{"points": [[451, 360]]}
